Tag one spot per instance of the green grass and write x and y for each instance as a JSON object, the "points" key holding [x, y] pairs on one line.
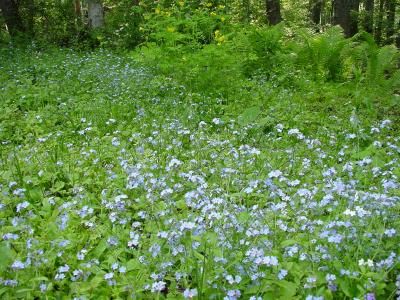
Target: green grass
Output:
{"points": [[120, 179]]}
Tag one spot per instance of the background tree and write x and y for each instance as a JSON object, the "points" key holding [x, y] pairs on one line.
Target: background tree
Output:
{"points": [[12, 17], [369, 16], [345, 14], [379, 22], [390, 20], [78, 10], [316, 7], [398, 36], [95, 14], [246, 11], [273, 9]]}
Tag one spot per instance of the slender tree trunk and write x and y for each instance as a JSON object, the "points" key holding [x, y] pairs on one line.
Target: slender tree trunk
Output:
{"points": [[78, 13], [390, 20], [273, 9], [369, 16], [246, 11], [316, 7], [315, 10], [78, 8], [12, 17], [345, 14], [398, 36], [30, 5], [95, 14], [379, 23]]}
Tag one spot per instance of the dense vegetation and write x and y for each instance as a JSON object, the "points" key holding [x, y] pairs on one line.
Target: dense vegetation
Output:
{"points": [[183, 149]]}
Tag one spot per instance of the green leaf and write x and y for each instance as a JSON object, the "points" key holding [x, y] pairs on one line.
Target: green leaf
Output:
{"points": [[133, 264], [36, 194], [3, 290], [249, 115], [344, 287], [101, 247], [211, 237], [288, 243], [23, 293], [6, 255], [265, 121], [243, 217], [367, 152], [180, 204], [288, 289]]}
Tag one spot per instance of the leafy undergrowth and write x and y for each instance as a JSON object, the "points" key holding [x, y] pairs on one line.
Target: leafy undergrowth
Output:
{"points": [[118, 182]]}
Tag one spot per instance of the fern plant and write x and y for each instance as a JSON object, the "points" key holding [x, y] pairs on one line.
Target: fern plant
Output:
{"points": [[322, 54], [378, 64], [261, 49]]}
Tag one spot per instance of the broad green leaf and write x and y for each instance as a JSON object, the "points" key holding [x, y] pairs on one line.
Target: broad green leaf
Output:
{"points": [[288, 289], [101, 247], [6, 255], [249, 115], [133, 264]]}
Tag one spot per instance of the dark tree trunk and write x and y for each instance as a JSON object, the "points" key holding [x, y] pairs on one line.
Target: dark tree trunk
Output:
{"points": [[316, 7], [369, 16], [273, 9], [390, 20], [379, 23], [246, 11], [345, 14], [12, 17], [78, 13], [398, 36], [30, 17], [78, 9]]}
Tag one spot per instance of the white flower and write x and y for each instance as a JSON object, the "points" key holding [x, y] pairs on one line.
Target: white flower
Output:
{"points": [[349, 212], [190, 293], [274, 174], [330, 277], [158, 286], [217, 121], [370, 263], [22, 205], [390, 232], [18, 265], [174, 163]]}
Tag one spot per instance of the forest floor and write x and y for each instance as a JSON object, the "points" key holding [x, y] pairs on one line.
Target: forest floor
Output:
{"points": [[118, 182]]}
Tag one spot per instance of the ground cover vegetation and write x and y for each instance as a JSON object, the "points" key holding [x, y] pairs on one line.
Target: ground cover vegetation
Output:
{"points": [[199, 150]]}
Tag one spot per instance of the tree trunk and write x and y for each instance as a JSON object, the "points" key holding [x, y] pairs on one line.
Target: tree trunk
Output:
{"points": [[273, 9], [30, 22], [345, 14], [390, 20], [78, 13], [78, 8], [316, 7], [12, 17], [369, 16], [379, 23], [398, 36], [246, 11], [95, 14]]}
